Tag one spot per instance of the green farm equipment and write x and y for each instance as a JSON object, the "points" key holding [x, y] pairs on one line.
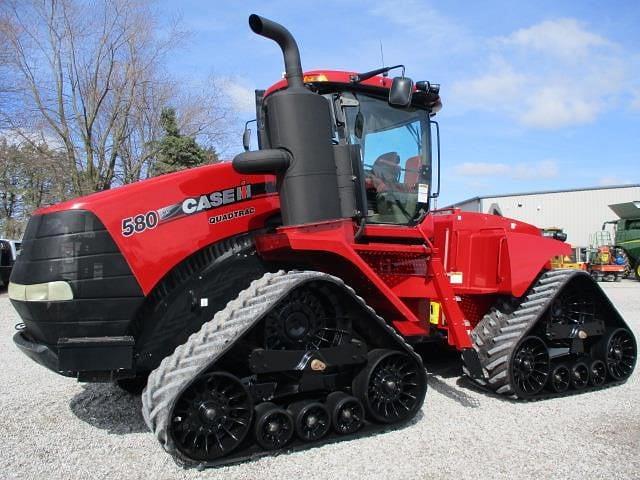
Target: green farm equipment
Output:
{"points": [[627, 235]]}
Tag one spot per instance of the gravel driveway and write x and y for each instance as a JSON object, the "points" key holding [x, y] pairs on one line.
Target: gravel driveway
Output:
{"points": [[54, 427]]}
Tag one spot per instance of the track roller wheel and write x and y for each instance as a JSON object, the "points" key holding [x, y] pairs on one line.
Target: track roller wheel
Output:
{"points": [[530, 367], [212, 416], [597, 373], [391, 386], [273, 427], [347, 413], [579, 375], [619, 353], [311, 420], [560, 379]]}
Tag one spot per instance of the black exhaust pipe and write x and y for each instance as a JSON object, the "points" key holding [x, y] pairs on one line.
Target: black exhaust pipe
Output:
{"points": [[282, 36], [298, 131]]}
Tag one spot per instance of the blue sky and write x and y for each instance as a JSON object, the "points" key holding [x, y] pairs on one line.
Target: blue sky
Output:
{"points": [[537, 95]]}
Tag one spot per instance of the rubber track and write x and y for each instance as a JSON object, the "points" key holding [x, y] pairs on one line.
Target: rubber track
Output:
{"points": [[200, 352], [499, 333]]}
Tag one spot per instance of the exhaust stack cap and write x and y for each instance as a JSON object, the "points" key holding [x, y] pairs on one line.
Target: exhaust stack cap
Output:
{"points": [[276, 32]]}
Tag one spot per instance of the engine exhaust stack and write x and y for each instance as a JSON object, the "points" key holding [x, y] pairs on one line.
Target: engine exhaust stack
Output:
{"points": [[276, 32], [298, 131]]}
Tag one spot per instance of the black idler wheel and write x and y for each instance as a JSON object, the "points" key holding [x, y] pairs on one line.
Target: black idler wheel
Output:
{"points": [[560, 379], [391, 386], [212, 416], [579, 375], [347, 413], [597, 373], [297, 324], [311, 420], [619, 353], [530, 367], [572, 308], [273, 427]]}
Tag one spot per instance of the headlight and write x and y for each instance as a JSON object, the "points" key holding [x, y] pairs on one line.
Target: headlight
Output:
{"points": [[40, 292]]}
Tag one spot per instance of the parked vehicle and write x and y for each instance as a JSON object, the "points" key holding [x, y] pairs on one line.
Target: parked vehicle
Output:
{"points": [[9, 250], [627, 235]]}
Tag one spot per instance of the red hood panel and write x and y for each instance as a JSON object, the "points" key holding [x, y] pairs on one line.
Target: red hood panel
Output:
{"points": [[159, 222]]}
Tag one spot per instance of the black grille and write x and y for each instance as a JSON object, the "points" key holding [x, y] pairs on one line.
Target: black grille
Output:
{"points": [[74, 246]]}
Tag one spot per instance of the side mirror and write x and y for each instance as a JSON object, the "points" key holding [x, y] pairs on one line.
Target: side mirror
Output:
{"points": [[246, 136], [401, 92], [246, 139]]}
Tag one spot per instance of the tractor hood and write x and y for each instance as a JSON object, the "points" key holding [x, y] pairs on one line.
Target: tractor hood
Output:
{"points": [[159, 222]]}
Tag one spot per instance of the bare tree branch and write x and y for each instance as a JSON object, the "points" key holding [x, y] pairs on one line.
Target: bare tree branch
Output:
{"points": [[90, 78]]}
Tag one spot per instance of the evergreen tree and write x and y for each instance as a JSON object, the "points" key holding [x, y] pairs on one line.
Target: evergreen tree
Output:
{"points": [[177, 151]]}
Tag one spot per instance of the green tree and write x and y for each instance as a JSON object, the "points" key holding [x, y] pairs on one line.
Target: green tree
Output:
{"points": [[177, 151], [30, 177]]}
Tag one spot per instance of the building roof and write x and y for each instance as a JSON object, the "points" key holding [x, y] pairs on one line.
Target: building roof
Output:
{"points": [[542, 192]]}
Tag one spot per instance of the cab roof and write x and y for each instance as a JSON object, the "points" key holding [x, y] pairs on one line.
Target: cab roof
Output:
{"points": [[627, 210], [331, 80]]}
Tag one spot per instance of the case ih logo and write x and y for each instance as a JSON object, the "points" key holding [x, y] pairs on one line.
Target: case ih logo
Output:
{"points": [[192, 205], [216, 199]]}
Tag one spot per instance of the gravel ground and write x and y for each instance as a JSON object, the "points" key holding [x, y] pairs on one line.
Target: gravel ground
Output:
{"points": [[54, 427]]}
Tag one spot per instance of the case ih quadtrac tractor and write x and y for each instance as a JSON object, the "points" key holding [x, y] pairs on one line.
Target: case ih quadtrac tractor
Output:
{"points": [[273, 302]]}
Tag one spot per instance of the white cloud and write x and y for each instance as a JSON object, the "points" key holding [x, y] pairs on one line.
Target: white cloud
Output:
{"points": [[556, 106], [554, 74], [242, 98], [538, 170], [520, 171], [481, 169], [491, 90], [565, 37], [608, 180], [434, 29]]}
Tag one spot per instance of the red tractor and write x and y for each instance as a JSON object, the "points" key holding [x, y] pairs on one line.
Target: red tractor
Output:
{"points": [[271, 303]]}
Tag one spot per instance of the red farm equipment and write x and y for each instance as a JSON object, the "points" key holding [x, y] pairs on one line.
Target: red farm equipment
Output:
{"points": [[272, 303]]}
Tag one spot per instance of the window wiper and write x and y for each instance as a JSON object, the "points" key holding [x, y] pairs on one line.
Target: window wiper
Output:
{"points": [[361, 77], [414, 132]]}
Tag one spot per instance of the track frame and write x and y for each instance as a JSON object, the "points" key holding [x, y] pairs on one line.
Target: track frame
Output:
{"points": [[217, 337]]}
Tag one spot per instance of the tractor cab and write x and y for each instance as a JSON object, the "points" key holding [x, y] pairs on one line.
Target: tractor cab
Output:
{"points": [[391, 131], [396, 156]]}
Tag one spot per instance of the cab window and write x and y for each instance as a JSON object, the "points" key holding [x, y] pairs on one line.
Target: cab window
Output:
{"points": [[633, 225], [395, 151]]}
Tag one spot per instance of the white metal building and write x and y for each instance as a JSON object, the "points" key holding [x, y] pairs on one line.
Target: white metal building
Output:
{"points": [[580, 212]]}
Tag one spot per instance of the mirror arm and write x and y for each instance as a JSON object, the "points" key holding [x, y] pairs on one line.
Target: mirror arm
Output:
{"points": [[361, 77]]}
